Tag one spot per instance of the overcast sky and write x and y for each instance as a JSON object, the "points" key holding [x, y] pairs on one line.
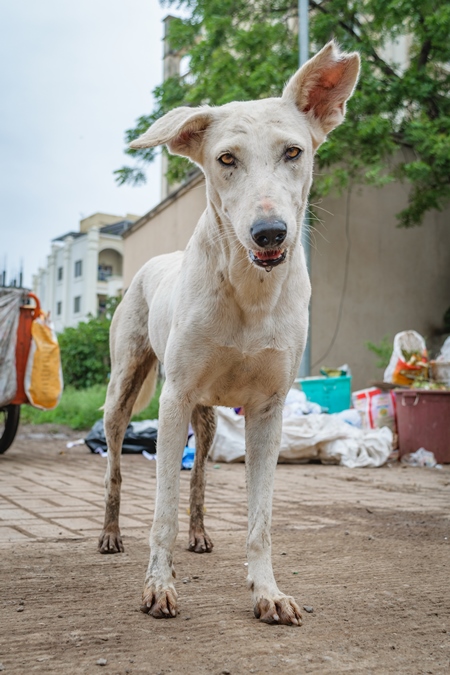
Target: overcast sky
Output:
{"points": [[73, 76]]}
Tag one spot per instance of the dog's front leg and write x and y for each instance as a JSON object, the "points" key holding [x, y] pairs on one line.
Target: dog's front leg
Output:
{"points": [[263, 437], [159, 596]]}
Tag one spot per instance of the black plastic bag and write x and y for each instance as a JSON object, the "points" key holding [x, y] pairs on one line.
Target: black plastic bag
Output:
{"points": [[133, 443]]}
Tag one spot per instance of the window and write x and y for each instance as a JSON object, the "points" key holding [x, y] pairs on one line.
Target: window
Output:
{"points": [[77, 304], [104, 272], [60, 273], [101, 306], [185, 69], [78, 268], [59, 306]]}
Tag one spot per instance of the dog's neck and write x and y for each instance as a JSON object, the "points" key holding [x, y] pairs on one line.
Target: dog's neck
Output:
{"points": [[254, 289]]}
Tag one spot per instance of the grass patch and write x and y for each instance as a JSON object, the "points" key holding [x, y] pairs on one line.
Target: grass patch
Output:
{"points": [[79, 408]]}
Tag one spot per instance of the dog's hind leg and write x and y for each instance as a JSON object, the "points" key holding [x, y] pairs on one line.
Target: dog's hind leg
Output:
{"points": [[133, 368], [204, 424]]}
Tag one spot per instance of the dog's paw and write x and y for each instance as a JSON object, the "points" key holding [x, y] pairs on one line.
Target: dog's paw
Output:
{"points": [[199, 541], [280, 609], [110, 541], [160, 604]]}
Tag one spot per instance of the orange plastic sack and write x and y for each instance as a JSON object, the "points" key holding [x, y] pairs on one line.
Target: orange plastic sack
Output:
{"points": [[43, 375]]}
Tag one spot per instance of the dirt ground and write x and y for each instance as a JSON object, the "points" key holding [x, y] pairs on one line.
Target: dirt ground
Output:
{"points": [[367, 551]]}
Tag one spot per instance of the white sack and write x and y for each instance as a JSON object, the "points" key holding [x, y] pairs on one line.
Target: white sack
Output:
{"points": [[323, 437], [410, 341], [229, 441], [370, 449]]}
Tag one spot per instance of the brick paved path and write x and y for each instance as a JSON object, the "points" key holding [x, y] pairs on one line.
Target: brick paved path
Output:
{"points": [[367, 548], [50, 492]]}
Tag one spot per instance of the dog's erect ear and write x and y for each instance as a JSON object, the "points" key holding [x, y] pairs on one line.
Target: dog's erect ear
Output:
{"points": [[322, 86], [181, 129]]}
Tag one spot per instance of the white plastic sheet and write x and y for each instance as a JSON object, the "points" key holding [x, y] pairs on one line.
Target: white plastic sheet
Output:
{"points": [[10, 301], [321, 437]]}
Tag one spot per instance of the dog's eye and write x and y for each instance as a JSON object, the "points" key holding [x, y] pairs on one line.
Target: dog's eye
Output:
{"points": [[227, 159], [293, 153]]}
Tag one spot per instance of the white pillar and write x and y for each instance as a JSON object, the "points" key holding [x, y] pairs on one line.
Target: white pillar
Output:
{"points": [[90, 279], [49, 285], [52, 276], [67, 308], [39, 285]]}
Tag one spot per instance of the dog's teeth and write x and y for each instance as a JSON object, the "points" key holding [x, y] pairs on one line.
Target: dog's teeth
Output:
{"points": [[268, 269]]}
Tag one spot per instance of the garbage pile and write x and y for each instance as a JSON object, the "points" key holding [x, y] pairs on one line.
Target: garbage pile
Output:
{"points": [[409, 365], [421, 400], [319, 423], [335, 438]]}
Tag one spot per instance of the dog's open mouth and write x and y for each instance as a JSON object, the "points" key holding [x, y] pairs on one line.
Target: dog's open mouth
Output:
{"points": [[267, 258]]}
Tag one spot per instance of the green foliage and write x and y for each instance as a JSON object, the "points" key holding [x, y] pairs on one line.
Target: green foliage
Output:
{"points": [[80, 408], [85, 350], [398, 121], [85, 353], [382, 350]]}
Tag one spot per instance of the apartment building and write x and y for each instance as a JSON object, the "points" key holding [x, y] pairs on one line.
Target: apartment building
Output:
{"points": [[83, 269]]}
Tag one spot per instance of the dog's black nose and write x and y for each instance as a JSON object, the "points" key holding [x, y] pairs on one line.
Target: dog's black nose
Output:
{"points": [[268, 233]]}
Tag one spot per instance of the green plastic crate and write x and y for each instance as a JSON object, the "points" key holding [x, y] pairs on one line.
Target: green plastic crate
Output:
{"points": [[333, 393]]}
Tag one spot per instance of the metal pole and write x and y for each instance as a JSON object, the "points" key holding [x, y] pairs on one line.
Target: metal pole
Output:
{"points": [[303, 32], [303, 50]]}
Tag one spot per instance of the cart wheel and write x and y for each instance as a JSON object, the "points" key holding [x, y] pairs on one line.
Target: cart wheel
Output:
{"points": [[9, 421]]}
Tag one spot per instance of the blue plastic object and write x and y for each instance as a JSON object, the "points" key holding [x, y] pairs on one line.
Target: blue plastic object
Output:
{"points": [[187, 461], [333, 393]]}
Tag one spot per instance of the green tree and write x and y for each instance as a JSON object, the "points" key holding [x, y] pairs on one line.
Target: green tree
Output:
{"points": [[398, 121], [85, 350]]}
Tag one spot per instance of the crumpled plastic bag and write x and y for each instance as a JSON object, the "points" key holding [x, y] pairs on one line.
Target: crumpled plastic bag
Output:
{"points": [[421, 457], [297, 404], [440, 368], [444, 354], [409, 359], [139, 437]]}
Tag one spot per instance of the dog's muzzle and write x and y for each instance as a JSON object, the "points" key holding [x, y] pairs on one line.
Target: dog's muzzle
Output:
{"points": [[268, 235], [267, 259]]}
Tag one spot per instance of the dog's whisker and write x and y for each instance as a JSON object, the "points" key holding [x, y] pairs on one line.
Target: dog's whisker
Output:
{"points": [[311, 212], [312, 242], [321, 234], [317, 206]]}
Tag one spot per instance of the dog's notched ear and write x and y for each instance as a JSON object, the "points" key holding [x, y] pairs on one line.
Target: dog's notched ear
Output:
{"points": [[322, 86], [180, 129]]}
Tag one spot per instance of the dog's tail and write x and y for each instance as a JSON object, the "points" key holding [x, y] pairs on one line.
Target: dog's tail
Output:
{"points": [[147, 390]]}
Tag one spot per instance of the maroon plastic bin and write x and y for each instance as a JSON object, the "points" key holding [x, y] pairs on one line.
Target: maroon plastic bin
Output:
{"points": [[423, 421]]}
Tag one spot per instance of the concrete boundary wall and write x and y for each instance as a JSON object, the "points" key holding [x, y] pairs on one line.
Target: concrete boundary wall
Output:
{"points": [[395, 279]]}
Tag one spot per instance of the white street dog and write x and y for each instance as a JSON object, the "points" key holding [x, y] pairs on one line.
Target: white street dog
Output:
{"points": [[227, 332]]}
